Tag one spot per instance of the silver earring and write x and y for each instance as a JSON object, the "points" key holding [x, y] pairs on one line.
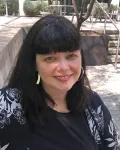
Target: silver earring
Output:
{"points": [[82, 73], [38, 79]]}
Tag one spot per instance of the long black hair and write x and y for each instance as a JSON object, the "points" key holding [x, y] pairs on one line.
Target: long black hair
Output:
{"points": [[49, 34]]}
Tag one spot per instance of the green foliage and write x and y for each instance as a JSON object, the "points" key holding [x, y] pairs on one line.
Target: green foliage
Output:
{"points": [[33, 8], [113, 8], [28, 8], [97, 12], [13, 7], [44, 5], [2, 7]]}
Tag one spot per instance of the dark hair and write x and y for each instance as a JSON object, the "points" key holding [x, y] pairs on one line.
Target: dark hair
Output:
{"points": [[49, 34]]}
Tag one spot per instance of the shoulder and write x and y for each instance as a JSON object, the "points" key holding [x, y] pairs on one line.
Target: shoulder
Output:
{"points": [[10, 105], [11, 92], [97, 107], [101, 124], [9, 99], [96, 100]]}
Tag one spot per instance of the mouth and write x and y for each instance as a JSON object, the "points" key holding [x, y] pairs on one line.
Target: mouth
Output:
{"points": [[63, 78]]}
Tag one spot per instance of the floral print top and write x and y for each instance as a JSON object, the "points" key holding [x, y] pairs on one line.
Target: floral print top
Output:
{"points": [[97, 115]]}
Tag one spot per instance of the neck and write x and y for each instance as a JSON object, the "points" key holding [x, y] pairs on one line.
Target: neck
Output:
{"points": [[59, 98]]}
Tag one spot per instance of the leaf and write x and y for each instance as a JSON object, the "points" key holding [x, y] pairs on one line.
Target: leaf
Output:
{"points": [[111, 128], [99, 110], [4, 147], [109, 139], [91, 123], [1, 97], [119, 141], [112, 144]]}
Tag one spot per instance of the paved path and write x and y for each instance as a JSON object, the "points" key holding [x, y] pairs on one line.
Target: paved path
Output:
{"points": [[104, 79], [100, 25], [4, 20], [23, 21]]}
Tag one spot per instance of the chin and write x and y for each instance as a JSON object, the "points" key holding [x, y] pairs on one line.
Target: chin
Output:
{"points": [[65, 88]]}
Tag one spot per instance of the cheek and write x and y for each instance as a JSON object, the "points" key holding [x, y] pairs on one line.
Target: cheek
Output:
{"points": [[77, 66], [45, 71]]}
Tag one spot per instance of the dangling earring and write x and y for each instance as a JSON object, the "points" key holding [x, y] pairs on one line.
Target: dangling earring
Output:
{"points": [[82, 73], [38, 79]]}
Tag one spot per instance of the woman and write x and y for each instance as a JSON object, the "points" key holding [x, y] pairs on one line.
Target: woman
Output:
{"points": [[48, 103]]}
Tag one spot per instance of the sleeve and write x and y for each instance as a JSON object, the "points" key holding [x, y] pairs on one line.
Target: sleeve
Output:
{"points": [[3, 121], [110, 137], [12, 121]]}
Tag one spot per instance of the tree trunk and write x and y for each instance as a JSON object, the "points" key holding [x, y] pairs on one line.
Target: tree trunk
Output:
{"points": [[82, 16], [79, 23]]}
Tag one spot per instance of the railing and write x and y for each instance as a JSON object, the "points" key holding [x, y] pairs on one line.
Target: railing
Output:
{"points": [[107, 15]]}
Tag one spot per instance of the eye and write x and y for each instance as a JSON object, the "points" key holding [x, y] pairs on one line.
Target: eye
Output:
{"points": [[50, 59], [71, 56]]}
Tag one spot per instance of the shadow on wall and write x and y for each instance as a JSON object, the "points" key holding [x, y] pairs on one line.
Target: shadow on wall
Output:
{"points": [[95, 49]]}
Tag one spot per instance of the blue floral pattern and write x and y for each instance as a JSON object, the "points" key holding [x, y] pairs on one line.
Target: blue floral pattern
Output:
{"points": [[10, 105], [97, 117], [3, 119]]}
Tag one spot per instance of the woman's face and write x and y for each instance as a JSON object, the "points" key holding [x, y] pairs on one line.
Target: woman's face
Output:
{"points": [[60, 70]]}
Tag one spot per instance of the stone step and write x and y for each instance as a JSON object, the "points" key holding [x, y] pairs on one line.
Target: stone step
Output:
{"points": [[112, 32], [108, 32], [112, 43], [112, 51], [113, 37], [111, 59]]}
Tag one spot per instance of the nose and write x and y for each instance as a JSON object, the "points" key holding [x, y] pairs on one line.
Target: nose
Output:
{"points": [[63, 65]]}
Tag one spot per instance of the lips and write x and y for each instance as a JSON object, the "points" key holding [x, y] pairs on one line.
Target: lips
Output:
{"points": [[63, 78]]}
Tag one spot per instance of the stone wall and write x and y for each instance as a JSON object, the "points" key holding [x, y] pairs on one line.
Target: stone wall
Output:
{"points": [[95, 50], [10, 43]]}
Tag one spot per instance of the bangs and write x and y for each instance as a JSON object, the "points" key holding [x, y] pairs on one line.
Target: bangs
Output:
{"points": [[55, 38]]}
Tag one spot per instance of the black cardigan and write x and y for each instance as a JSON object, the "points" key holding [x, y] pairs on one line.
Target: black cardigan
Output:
{"points": [[98, 118]]}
